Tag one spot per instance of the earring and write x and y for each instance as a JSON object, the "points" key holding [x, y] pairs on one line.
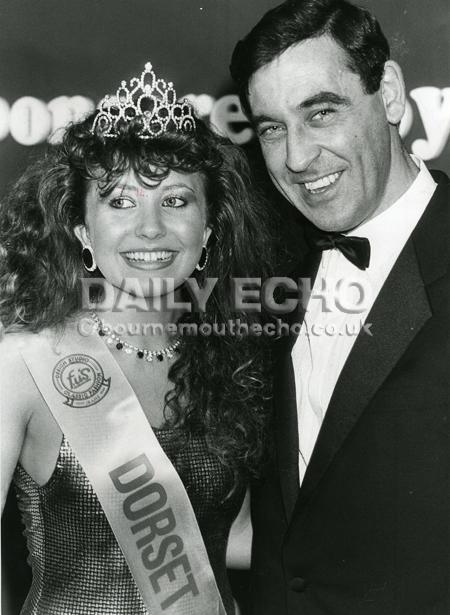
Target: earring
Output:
{"points": [[87, 256], [203, 259]]}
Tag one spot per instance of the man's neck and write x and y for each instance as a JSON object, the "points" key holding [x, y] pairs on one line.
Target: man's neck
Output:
{"points": [[402, 173]]}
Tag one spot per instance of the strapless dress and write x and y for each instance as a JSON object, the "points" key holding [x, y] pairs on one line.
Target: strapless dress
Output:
{"points": [[78, 567]]}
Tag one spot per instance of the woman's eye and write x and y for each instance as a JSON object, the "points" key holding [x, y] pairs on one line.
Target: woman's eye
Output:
{"points": [[174, 201], [122, 203]]}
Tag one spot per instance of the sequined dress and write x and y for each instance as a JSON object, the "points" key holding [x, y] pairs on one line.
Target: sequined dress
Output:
{"points": [[78, 567]]}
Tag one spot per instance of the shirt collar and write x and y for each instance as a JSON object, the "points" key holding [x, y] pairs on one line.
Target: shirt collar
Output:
{"points": [[398, 221], [390, 230]]}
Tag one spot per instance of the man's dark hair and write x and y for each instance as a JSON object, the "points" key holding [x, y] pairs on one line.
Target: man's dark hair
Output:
{"points": [[352, 27]]}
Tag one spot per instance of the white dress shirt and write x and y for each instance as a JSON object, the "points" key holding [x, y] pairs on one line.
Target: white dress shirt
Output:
{"points": [[340, 301]]}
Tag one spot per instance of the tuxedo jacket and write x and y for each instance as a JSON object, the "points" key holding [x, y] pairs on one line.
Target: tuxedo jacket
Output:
{"points": [[368, 530]]}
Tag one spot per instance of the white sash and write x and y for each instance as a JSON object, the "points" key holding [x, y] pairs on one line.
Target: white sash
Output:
{"points": [[141, 494]]}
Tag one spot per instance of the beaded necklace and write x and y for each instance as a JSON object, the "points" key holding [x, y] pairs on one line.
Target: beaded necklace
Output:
{"points": [[105, 330]]}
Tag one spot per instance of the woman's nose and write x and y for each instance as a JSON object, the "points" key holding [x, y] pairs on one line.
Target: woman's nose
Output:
{"points": [[150, 223]]}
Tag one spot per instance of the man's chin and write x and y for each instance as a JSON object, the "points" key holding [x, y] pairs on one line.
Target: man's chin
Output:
{"points": [[333, 224]]}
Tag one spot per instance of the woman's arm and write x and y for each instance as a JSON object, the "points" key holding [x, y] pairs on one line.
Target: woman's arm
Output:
{"points": [[240, 538], [14, 414]]}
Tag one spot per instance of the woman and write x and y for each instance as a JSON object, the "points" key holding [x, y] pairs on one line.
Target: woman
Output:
{"points": [[138, 198]]}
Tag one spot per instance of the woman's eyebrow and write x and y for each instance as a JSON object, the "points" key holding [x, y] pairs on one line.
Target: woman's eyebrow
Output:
{"points": [[178, 185]]}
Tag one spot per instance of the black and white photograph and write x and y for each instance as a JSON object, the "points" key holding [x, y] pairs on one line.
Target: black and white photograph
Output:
{"points": [[225, 307]]}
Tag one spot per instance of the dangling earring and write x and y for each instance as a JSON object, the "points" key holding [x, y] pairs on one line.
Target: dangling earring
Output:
{"points": [[203, 259], [87, 256]]}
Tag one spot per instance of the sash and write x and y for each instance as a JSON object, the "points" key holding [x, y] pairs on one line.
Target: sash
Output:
{"points": [[140, 491]]}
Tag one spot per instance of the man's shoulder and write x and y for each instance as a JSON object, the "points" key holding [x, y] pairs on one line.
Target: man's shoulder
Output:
{"points": [[436, 216], [430, 237], [442, 193], [440, 177]]}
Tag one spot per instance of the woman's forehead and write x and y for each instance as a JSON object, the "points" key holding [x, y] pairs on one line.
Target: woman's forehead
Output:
{"points": [[160, 178]]}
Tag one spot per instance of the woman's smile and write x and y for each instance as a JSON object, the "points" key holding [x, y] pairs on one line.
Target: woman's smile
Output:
{"points": [[149, 260]]}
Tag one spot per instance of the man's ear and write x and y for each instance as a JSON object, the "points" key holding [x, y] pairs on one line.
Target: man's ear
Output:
{"points": [[82, 235], [392, 89]]}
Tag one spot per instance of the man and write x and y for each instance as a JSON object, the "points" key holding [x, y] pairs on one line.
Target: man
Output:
{"points": [[353, 517]]}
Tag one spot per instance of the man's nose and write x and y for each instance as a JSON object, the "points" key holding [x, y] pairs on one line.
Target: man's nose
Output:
{"points": [[301, 151], [150, 223]]}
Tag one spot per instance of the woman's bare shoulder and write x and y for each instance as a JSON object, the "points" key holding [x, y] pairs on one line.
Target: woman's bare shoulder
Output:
{"points": [[18, 388], [13, 343], [19, 401]]}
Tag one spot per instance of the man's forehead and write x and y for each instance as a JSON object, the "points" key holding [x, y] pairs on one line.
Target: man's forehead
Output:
{"points": [[322, 49], [303, 72]]}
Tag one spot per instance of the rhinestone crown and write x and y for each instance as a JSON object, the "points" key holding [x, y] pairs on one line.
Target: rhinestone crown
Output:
{"points": [[152, 100]]}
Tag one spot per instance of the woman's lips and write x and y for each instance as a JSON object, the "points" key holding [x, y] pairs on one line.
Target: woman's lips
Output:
{"points": [[149, 259]]}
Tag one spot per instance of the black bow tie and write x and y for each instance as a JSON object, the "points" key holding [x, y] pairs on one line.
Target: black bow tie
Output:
{"points": [[355, 249]]}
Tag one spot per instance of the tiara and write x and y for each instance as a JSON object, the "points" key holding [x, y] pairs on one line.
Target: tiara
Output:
{"points": [[151, 100]]}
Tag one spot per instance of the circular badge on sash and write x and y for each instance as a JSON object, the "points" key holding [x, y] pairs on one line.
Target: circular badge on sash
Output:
{"points": [[80, 379]]}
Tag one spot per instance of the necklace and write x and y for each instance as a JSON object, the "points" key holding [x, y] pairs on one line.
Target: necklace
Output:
{"points": [[105, 330]]}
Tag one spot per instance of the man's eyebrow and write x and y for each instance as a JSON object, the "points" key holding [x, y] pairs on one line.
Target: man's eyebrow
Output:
{"points": [[325, 97], [259, 119], [320, 98]]}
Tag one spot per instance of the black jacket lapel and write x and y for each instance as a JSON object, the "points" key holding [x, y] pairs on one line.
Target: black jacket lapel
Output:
{"points": [[284, 392], [286, 431], [400, 310]]}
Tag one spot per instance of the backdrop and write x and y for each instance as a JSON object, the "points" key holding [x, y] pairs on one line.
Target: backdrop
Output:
{"points": [[59, 57]]}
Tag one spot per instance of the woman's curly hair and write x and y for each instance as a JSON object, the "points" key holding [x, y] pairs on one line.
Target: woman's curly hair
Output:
{"points": [[220, 382]]}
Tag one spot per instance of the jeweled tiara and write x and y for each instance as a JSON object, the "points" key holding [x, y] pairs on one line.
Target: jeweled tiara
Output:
{"points": [[152, 100]]}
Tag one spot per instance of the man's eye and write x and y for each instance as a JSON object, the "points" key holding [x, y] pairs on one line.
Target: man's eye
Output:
{"points": [[323, 114], [270, 131], [122, 203], [174, 201]]}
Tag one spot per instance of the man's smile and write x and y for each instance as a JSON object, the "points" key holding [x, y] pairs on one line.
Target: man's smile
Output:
{"points": [[322, 183]]}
